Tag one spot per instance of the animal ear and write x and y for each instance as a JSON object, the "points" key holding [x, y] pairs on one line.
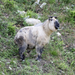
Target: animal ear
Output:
{"points": [[55, 17], [50, 17]]}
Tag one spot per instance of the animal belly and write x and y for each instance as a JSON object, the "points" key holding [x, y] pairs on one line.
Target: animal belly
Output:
{"points": [[29, 46]]}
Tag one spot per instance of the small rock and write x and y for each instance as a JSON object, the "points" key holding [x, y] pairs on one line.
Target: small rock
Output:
{"points": [[3, 73], [52, 62], [7, 62], [42, 5], [10, 68], [39, 16], [14, 62], [32, 21], [37, 2], [58, 34], [26, 17], [72, 6], [54, 13], [61, 71], [21, 12], [67, 8]]}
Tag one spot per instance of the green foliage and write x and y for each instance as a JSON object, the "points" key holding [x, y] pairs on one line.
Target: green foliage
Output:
{"points": [[3, 27], [73, 50], [26, 24], [70, 17], [51, 1], [31, 14], [54, 53], [1, 24], [11, 29], [66, 1], [73, 63], [25, 1], [21, 1], [19, 19], [72, 14], [8, 50], [63, 66], [9, 4]]}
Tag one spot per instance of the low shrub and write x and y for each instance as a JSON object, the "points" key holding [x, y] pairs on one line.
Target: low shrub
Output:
{"points": [[51, 1], [72, 14], [70, 17], [11, 30], [9, 4], [66, 1], [25, 1], [31, 14], [63, 66]]}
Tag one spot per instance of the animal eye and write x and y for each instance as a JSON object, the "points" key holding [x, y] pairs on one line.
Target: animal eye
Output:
{"points": [[51, 19]]}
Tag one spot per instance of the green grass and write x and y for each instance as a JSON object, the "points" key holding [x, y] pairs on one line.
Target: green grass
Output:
{"points": [[58, 57]]}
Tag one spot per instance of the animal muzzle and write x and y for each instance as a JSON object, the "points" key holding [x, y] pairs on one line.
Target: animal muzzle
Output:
{"points": [[56, 24]]}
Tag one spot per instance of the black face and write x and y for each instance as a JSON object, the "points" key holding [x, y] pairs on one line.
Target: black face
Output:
{"points": [[56, 24]]}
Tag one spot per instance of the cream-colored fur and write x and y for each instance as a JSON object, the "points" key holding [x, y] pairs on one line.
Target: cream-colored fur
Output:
{"points": [[35, 36], [41, 32]]}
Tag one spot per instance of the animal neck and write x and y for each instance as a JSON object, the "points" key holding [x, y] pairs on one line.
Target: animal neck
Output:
{"points": [[46, 28]]}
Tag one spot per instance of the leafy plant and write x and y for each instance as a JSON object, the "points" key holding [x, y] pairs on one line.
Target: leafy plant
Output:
{"points": [[11, 30], [51, 1], [31, 14], [9, 4], [54, 53], [72, 14], [63, 66], [66, 1], [19, 19], [25, 1]]}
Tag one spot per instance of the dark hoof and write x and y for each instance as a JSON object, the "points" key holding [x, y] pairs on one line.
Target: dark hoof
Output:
{"points": [[38, 58], [23, 57]]}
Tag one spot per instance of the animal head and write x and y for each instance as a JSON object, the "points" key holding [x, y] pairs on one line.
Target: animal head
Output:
{"points": [[53, 23]]}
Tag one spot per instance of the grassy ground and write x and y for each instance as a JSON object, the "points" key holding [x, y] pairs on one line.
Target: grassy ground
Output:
{"points": [[58, 57]]}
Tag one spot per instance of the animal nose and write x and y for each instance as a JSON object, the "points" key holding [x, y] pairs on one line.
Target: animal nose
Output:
{"points": [[56, 24]]}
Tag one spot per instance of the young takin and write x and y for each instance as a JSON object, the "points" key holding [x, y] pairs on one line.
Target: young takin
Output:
{"points": [[36, 36]]}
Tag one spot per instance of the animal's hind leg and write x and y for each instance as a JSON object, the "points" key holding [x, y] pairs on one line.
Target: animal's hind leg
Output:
{"points": [[21, 52]]}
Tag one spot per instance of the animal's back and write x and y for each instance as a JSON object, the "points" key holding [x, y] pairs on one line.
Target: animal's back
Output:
{"points": [[32, 35], [27, 35]]}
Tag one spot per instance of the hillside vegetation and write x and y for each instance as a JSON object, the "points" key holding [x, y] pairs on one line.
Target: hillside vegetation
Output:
{"points": [[58, 57]]}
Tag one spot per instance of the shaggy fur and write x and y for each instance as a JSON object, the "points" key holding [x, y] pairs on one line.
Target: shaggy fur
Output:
{"points": [[35, 36]]}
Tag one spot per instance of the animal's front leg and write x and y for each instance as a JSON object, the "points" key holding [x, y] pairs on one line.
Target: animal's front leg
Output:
{"points": [[39, 52]]}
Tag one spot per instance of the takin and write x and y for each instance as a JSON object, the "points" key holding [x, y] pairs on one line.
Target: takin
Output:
{"points": [[36, 36]]}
